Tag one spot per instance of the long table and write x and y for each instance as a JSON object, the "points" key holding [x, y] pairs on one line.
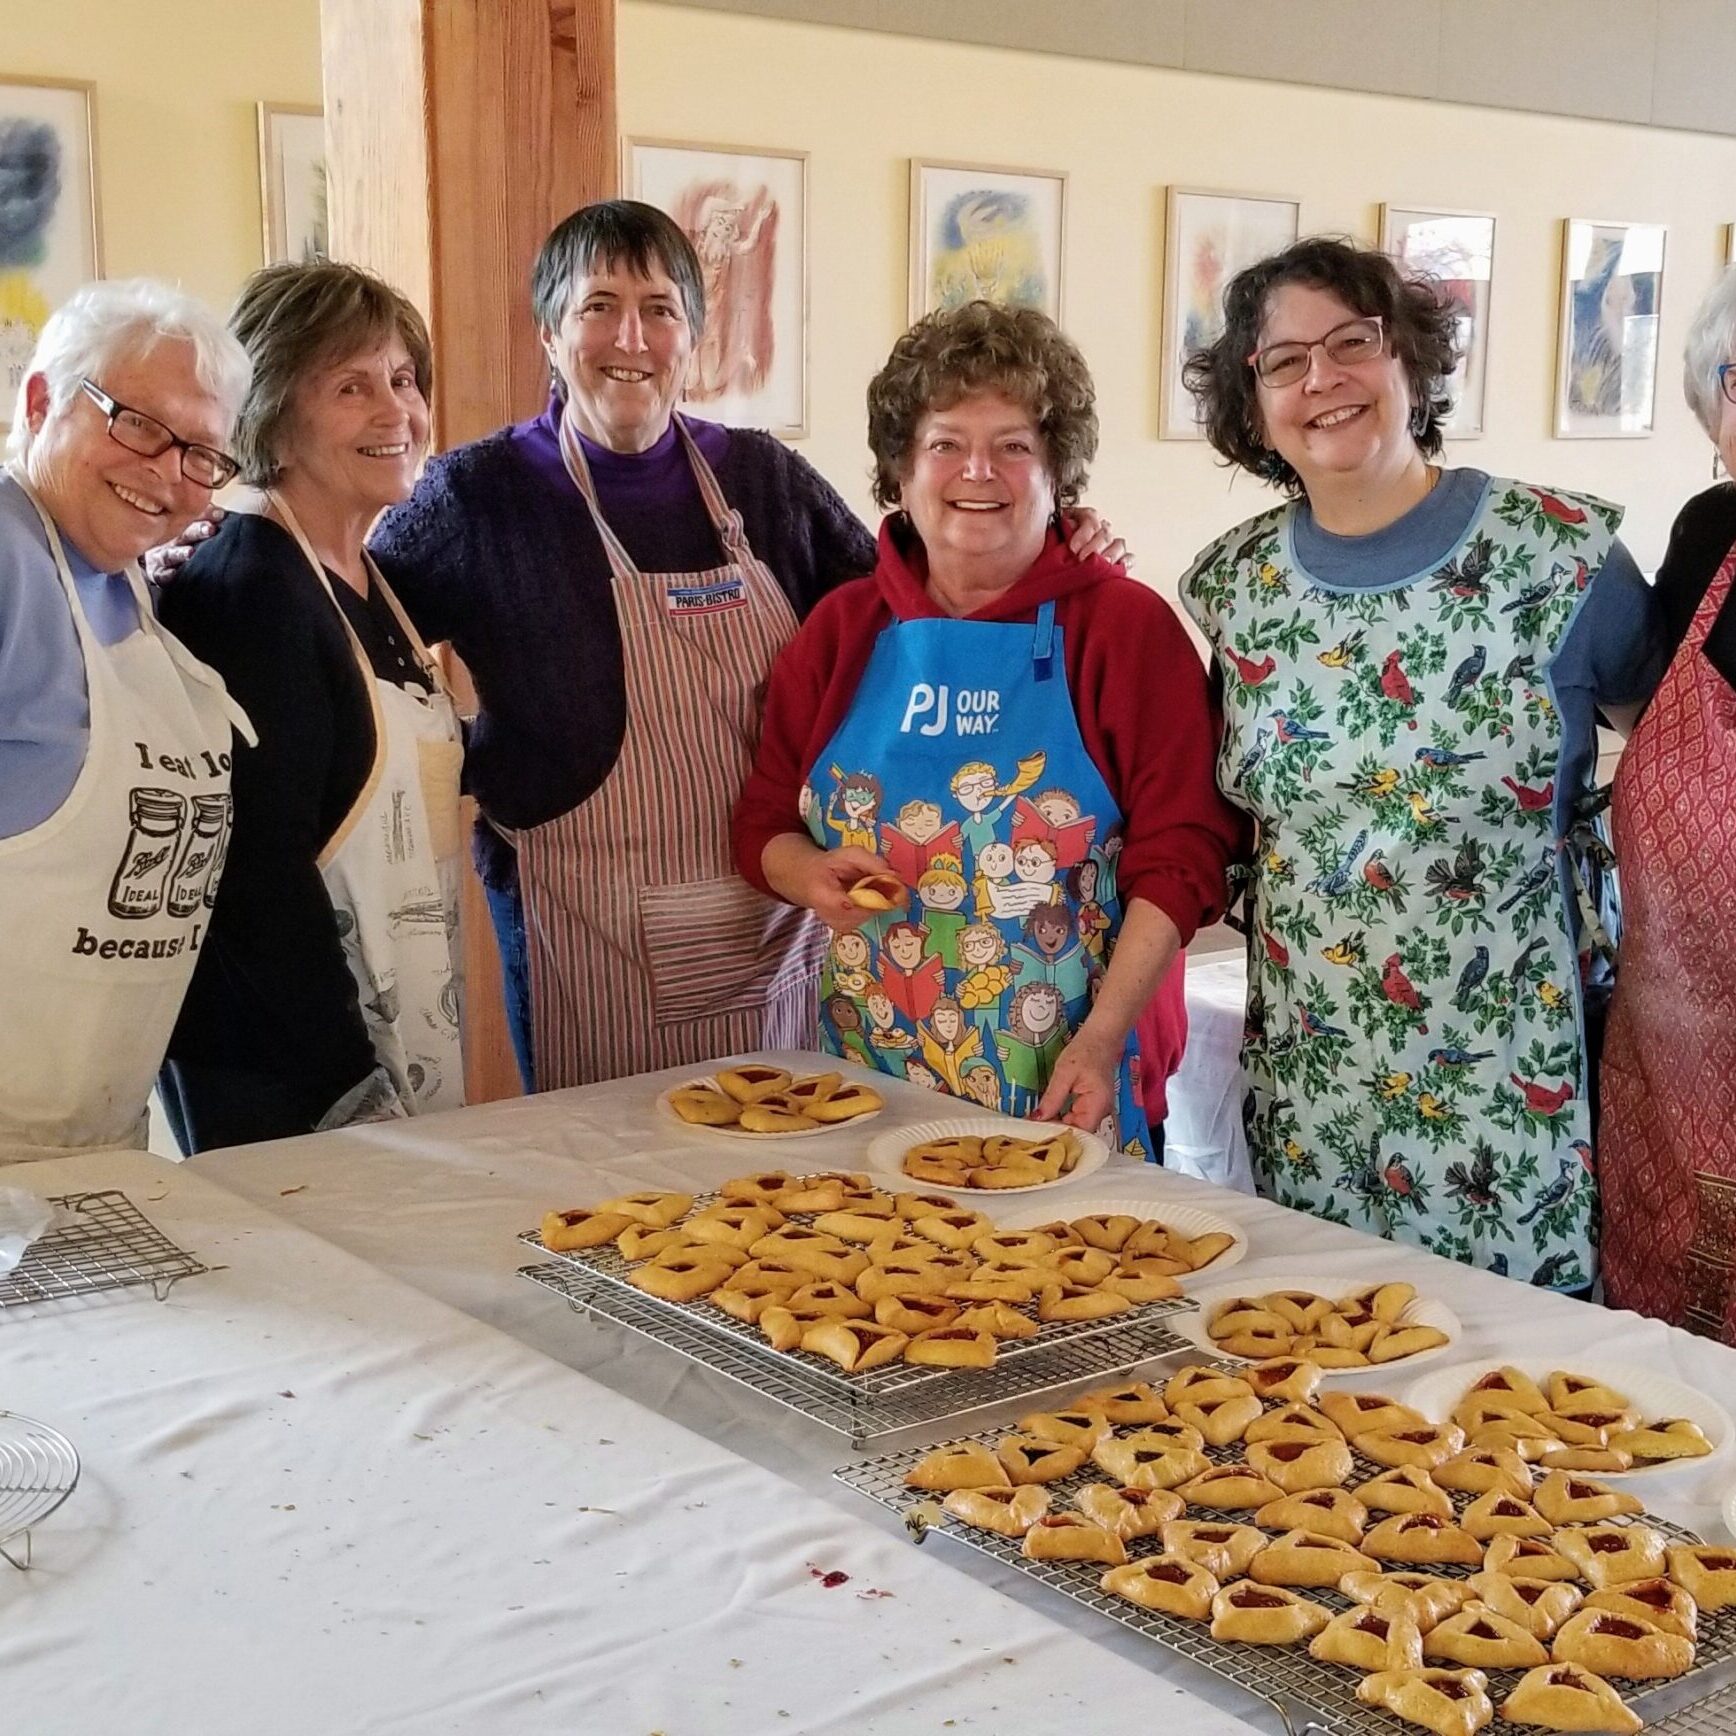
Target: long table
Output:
{"points": [[437, 1203], [318, 1498]]}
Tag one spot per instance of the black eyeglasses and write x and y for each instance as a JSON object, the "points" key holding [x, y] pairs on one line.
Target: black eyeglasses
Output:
{"points": [[1727, 380], [149, 438]]}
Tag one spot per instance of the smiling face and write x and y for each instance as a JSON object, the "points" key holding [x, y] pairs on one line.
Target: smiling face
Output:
{"points": [[919, 821], [622, 351], [1042, 1010], [904, 945], [850, 950], [978, 946], [978, 487], [357, 429], [1035, 863], [112, 503], [947, 1023], [995, 861], [1335, 423]]}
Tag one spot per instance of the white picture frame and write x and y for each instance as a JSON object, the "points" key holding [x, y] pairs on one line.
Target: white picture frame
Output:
{"points": [[1606, 364], [745, 208], [1457, 249], [1208, 238], [54, 218], [292, 183], [985, 231]]}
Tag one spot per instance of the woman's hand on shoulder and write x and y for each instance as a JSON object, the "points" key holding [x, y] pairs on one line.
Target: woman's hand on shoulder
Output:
{"points": [[167, 559], [1092, 536]]}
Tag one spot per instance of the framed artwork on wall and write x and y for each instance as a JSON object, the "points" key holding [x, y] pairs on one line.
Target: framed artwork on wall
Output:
{"points": [[1612, 289], [1208, 238], [50, 228], [985, 233], [746, 213], [292, 183], [1730, 243], [1457, 249]]}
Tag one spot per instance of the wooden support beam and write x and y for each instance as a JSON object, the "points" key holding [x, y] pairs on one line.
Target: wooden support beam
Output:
{"points": [[458, 133]]}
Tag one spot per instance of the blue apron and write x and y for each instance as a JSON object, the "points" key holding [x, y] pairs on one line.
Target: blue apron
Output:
{"points": [[961, 759]]}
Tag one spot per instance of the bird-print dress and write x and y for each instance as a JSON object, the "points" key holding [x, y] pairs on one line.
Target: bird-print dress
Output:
{"points": [[1414, 1043]]}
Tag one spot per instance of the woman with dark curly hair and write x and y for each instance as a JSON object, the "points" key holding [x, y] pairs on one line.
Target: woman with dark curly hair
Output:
{"points": [[1412, 660], [982, 660]]}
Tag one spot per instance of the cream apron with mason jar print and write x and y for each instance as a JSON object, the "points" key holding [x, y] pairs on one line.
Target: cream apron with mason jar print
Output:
{"points": [[646, 948], [394, 867], [103, 906], [1414, 1045]]}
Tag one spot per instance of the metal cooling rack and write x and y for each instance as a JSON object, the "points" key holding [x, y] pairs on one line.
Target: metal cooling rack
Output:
{"points": [[1276, 1674], [1713, 1716], [38, 1470], [100, 1241], [863, 1406]]}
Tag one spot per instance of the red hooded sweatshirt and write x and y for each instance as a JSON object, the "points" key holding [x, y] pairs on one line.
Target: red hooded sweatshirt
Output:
{"points": [[1138, 689]]}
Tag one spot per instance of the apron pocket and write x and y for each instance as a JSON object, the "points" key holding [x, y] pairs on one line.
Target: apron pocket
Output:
{"points": [[439, 765], [718, 946]]}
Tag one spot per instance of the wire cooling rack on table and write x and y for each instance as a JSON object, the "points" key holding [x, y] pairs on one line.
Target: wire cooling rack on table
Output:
{"points": [[100, 1241], [1278, 1674], [39, 1468], [880, 1401]]}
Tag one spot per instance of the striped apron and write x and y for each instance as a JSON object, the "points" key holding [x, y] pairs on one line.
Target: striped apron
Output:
{"points": [[646, 948]]}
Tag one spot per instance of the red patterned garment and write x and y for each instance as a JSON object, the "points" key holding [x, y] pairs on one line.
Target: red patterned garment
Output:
{"points": [[1667, 1147]]}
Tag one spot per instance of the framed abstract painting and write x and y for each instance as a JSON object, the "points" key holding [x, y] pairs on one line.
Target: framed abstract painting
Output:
{"points": [[292, 183], [1612, 291], [1457, 249], [989, 234], [1208, 238], [746, 213], [50, 240]]}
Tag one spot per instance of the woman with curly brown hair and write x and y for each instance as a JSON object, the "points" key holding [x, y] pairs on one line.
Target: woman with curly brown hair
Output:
{"points": [[1412, 659], [980, 657]]}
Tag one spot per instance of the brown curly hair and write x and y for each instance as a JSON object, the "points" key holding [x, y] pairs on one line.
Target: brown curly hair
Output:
{"points": [[1421, 328], [982, 347]]}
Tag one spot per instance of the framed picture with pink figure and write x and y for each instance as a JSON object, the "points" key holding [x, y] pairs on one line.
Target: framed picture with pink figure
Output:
{"points": [[1208, 238], [1456, 249], [746, 213]]}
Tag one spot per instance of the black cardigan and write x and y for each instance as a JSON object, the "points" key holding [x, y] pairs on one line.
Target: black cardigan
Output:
{"points": [[1701, 538], [272, 996]]}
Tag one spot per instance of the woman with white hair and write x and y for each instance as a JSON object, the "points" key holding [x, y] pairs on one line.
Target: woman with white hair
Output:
{"points": [[1666, 1152], [114, 739]]}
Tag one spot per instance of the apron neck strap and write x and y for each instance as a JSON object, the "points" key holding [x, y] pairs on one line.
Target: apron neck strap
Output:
{"points": [[1043, 641], [285, 514], [725, 520]]}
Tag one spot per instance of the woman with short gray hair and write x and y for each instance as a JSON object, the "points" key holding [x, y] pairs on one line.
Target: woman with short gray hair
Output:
{"points": [[326, 990], [114, 739], [1669, 1075]]}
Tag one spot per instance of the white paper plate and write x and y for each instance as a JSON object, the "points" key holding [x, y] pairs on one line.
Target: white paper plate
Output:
{"points": [[1189, 1220], [1423, 1311], [1655, 1395], [886, 1152], [667, 1111]]}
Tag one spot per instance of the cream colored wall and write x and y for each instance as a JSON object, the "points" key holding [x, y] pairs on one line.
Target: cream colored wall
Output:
{"points": [[177, 152], [862, 104]]}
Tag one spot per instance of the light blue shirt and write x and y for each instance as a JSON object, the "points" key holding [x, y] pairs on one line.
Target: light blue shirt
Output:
{"points": [[44, 703]]}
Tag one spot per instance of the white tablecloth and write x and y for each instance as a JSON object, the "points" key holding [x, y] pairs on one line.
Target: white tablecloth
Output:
{"points": [[437, 1203], [315, 1500], [1202, 1133]]}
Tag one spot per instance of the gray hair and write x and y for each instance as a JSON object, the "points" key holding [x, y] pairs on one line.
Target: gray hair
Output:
{"points": [[614, 232], [101, 322], [1711, 340]]}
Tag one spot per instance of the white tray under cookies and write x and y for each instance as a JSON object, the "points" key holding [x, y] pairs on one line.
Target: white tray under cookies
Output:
{"points": [[886, 1152], [880, 1401], [1287, 1678], [1027, 1214], [1419, 1311], [1653, 1394], [667, 1110]]}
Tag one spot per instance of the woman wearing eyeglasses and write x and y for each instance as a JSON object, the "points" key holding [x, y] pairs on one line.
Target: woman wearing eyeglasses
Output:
{"points": [[326, 990], [1412, 660], [1666, 1157], [114, 739]]}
